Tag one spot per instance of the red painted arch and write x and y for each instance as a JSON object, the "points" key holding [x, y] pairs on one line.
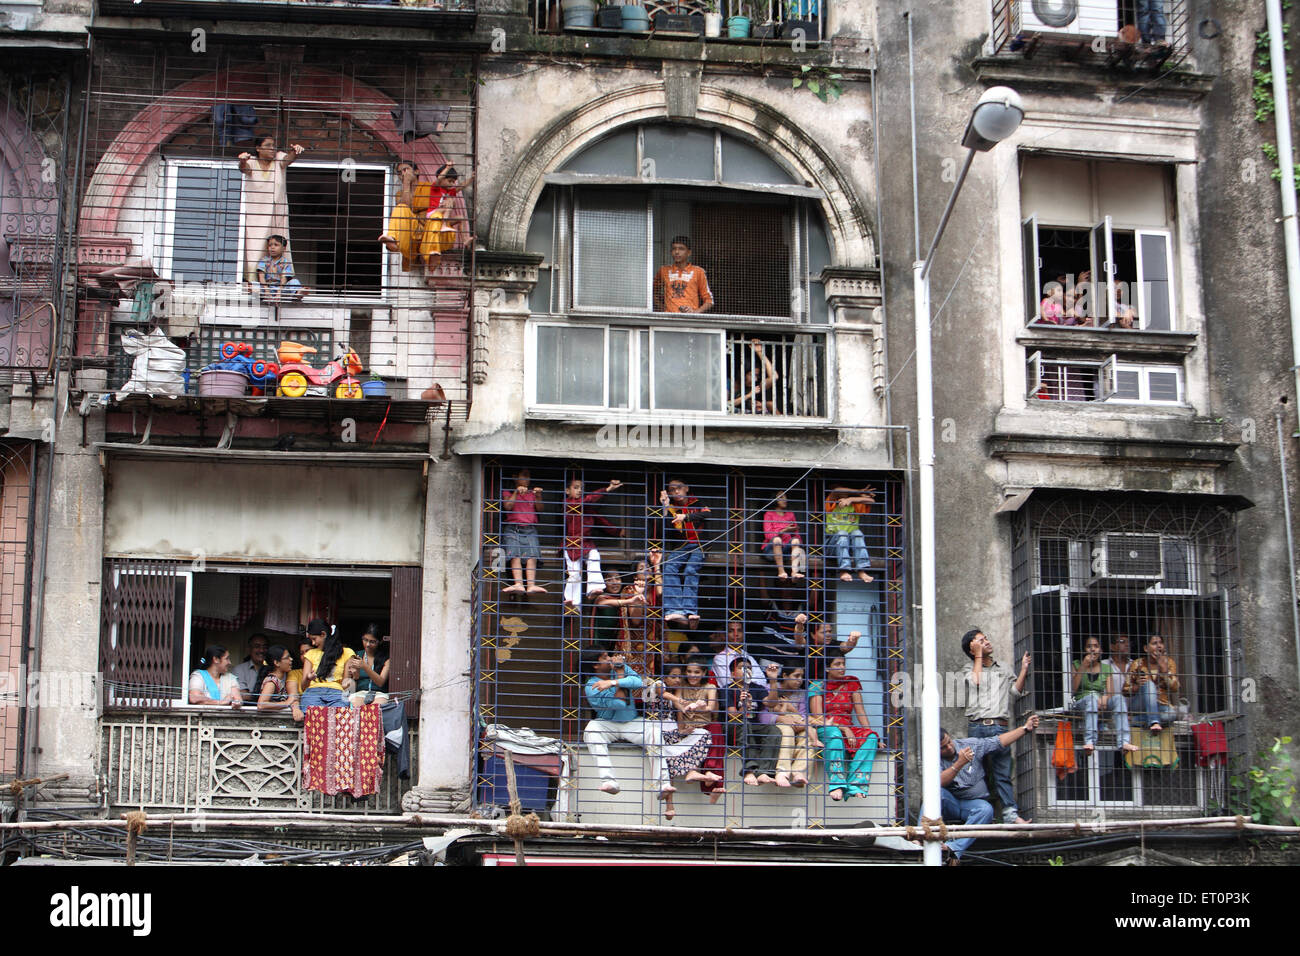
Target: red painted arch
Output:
{"points": [[140, 138]]}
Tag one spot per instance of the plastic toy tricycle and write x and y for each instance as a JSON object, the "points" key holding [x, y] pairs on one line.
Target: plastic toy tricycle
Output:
{"points": [[297, 378]]}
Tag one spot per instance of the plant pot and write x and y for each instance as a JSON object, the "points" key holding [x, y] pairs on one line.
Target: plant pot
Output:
{"points": [[222, 384], [609, 17], [809, 27], [374, 388], [713, 24], [764, 31], [635, 19], [578, 13], [738, 27]]}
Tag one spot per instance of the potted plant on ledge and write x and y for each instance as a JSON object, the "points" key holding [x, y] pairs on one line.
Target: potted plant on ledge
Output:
{"points": [[802, 15], [578, 13], [738, 26], [712, 20]]}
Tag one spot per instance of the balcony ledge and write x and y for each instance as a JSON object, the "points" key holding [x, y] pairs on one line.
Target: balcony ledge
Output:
{"points": [[376, 14], [1052, 74], [1107, 341]]}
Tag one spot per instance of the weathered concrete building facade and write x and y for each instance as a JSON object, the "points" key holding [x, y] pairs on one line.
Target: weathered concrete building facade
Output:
{"points": [[1107, 463]]}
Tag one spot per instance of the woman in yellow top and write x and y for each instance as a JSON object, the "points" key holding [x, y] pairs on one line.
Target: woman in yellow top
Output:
{"points": [[324, 668]]}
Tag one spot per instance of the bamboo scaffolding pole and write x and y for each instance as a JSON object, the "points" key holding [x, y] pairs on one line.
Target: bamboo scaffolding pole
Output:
{"points": [[302, 821]]}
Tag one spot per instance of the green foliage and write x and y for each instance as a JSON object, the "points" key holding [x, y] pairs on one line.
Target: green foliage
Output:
{"points": [[1262, 93], [1270, 786], [820, 81], [1056, 861]]}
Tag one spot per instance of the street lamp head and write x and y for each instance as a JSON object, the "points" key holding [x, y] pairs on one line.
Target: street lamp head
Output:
{"points": [[996, 116]]}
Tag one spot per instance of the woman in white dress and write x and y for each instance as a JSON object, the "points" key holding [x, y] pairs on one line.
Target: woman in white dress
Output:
{"points": [[266, 198]]}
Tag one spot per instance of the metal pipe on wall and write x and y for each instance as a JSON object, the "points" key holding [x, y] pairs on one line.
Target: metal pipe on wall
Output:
{"points": [[1286, 164]]}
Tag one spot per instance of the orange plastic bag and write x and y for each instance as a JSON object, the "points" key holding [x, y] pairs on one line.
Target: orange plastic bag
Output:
{"points": [[1063, 752]]}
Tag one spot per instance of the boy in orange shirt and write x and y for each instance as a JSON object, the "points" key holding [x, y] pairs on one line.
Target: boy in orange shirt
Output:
{"points": [[682, 287]]}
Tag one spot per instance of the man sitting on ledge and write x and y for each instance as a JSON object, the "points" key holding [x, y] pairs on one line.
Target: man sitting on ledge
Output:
{"points": [[609, 694]]}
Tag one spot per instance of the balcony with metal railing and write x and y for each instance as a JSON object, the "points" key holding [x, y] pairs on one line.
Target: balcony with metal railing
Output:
{"points": [[1131, 35], [446, 14], [730, 21]]}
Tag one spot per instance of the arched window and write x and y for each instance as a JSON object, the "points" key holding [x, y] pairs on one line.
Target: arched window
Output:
{"points": [[606, 222]]}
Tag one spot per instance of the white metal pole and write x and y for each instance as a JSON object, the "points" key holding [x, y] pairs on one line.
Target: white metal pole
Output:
{"points": [[931, 806], [1286, 163]]}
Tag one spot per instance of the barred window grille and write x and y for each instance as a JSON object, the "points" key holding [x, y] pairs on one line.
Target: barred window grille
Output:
{"points": [[1120, 569], [530, 647]]}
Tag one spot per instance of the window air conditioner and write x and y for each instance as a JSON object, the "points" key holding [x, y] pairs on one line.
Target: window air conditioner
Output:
{"points": [[1127, 557], [1084, 17]]}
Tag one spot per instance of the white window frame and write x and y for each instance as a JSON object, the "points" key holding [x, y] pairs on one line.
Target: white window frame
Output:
{"points": [[164, 244], [531, 378], [1093, 769], [1193, 588], [1101, 247], [390, 194], [1110, 372]]}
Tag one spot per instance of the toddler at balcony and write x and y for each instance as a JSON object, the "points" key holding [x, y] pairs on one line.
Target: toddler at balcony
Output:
{"points": [[519, 533], [324, 668], [579, 520], [681, 286], [989, 690], [844, 508], [781, 532], [685, 532], [757, 395], [1096, 690], [609, 693], [275, 273], [266, 198], [213, 683], [850, 749]]}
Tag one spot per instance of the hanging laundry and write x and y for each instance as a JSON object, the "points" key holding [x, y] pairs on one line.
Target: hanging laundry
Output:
{"points": [[234, 123], [1211, 743], [282, 597], [1063, 752], [397, 739], [420, 121], [227, 618], [344, 750]]}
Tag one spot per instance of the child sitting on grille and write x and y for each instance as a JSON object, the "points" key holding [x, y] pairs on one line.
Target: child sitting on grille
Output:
{"points": [[275, 273]]}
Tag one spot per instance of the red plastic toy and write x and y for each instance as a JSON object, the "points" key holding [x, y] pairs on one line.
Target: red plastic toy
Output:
{"points": [[296, 376]]}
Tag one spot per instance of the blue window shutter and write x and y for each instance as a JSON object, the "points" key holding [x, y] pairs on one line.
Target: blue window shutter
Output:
{"points": [[205, 243]]}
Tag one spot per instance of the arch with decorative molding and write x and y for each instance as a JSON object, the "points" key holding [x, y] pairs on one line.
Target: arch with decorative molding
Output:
{"points": [[172, 111], [852, 243]]}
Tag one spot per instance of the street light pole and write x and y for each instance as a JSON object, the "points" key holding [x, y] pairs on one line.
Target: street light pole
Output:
{"points": [[995, 117]]}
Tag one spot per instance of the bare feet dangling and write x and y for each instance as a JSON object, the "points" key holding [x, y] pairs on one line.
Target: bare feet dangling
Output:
{"points": [[845, 576], [866, 578]]}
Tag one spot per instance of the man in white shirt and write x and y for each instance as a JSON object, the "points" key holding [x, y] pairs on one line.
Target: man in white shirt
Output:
{"points": [[246, 671]]}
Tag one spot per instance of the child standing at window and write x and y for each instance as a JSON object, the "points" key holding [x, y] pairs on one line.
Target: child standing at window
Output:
{"points": [[578, 522], [520, 533], [781, 531], [275, 272], [844, 507]]}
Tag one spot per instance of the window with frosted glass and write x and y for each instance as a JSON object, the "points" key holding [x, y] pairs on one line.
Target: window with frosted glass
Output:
{"points": [[570, 366], [611, 231], [687, 370]]}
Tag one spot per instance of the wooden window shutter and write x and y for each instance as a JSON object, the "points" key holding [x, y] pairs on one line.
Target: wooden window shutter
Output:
{"points": [[405, 611], [138, 634]]}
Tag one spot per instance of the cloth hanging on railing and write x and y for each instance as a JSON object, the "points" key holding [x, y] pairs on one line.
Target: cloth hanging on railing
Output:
{"points": [[397, 739], [344, 750], [1211, 743], [1063, 752], [217, 610], [416, 122], [234, 123], [282, 597]]}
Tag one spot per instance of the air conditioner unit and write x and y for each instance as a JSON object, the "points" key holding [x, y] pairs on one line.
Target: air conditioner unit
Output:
{"points": [[1127, 557], [1083, 17]]}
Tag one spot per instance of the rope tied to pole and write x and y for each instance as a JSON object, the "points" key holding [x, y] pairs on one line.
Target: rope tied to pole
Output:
{"points": [[927, 833]]}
